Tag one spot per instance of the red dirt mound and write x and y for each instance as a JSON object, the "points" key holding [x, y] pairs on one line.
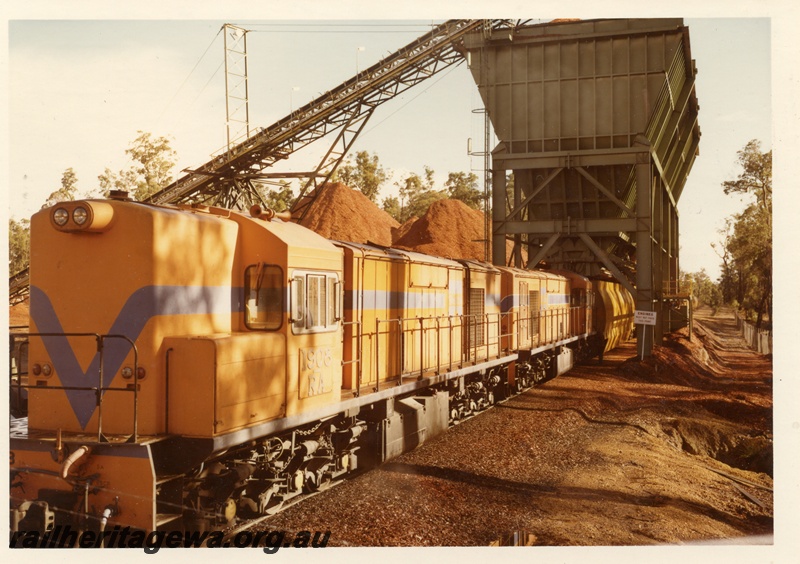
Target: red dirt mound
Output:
{"points": [[401, 231], [345, 214], [18, 313], [450, 229]]}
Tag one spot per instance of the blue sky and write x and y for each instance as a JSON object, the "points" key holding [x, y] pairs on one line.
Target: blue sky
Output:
{"points": [[80, 89]]}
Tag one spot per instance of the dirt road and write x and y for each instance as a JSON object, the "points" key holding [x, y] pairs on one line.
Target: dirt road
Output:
{"points": [[674, 449]]}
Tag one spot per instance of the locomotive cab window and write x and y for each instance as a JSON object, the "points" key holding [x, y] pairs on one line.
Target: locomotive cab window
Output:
{"points": [[316, 302], [263, 297]]}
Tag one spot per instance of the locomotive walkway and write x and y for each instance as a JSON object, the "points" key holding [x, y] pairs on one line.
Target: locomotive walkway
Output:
{"points": [[675, 449]]}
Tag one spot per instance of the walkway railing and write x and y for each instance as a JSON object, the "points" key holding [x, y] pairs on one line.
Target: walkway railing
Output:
{"points": [[757, 339], [415, 346]]}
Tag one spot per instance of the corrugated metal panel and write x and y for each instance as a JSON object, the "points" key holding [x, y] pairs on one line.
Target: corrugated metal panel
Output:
{"points": [[579, 89], [592, 86]]}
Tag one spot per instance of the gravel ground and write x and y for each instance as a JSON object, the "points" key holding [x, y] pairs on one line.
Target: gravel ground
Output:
{"points": [[675, 449]]}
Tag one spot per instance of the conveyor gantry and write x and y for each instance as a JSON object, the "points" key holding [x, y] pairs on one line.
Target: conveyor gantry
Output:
{"points": [[346, 108], [18, 289], [226, 179]]}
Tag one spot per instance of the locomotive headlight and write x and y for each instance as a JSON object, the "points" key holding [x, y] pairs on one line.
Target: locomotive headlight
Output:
{"points": [[37, 369], [80, 215], [127, 372], [47, 369], [88, 216], [61, 216]]}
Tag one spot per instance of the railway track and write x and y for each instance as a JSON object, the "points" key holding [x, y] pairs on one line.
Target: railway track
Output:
{"points": [[249, 524], [535, 464]]}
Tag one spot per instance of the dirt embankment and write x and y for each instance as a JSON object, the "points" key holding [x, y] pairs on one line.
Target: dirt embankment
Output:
{"points": [[449, 229], [674, 449]]}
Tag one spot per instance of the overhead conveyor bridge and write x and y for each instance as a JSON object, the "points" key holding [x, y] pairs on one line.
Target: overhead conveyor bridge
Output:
{"points": [[227, 179]]}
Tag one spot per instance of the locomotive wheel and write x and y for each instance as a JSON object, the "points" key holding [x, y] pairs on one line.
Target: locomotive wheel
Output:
{"points": [[316, 481], [270, 505]]}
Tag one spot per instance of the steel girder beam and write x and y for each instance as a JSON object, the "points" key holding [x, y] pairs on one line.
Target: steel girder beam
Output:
{"points": [[594, 182], [565, 159], [330, 162], [567, 226], [644, 295], [521, 206], [18, 287], [498, 214], [239, 193], [606, 260], [542, 253]]}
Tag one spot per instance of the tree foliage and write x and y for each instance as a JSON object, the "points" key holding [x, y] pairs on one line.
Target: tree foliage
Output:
{"points": [[755, 178], [464, 186], [19, 235], [280, 198], [151, 170], [67, 192], [363, 173], [746, 248], [703, 288], [417, 193], [19, 244], [391, 205]]}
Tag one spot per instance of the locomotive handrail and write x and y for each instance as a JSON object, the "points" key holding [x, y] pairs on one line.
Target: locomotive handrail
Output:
{"points": [[99, 389], [551, 326], [378, 349], [359, 335], [15, 372]]}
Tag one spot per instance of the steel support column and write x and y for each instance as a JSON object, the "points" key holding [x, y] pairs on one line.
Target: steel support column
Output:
{"points": [[498, 215], [644, 252]]}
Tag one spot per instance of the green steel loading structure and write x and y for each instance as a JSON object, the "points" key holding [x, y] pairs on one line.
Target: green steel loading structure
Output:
{"points": [[586, 113], [597, 120]]}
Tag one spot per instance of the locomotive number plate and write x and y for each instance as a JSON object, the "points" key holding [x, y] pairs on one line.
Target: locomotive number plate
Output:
{"points": [[316, 371]]}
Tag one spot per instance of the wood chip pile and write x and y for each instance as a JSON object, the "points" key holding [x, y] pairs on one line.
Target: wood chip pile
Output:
{"points": [[345, 214], [401, 231], [448, 229]]}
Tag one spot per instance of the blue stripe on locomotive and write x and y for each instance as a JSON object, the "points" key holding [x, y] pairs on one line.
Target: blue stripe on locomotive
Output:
{"points": [[141, 306]]}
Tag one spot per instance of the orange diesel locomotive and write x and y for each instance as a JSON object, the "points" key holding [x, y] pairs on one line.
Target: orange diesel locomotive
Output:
{"points": [[189, 364]]}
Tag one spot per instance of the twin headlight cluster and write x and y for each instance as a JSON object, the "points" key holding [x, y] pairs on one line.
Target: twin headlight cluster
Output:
{"points": [[82, 216], [79, 216]]}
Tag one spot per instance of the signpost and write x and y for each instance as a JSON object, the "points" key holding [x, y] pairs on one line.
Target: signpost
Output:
{"points": [[641, 317], [644, 317]]}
